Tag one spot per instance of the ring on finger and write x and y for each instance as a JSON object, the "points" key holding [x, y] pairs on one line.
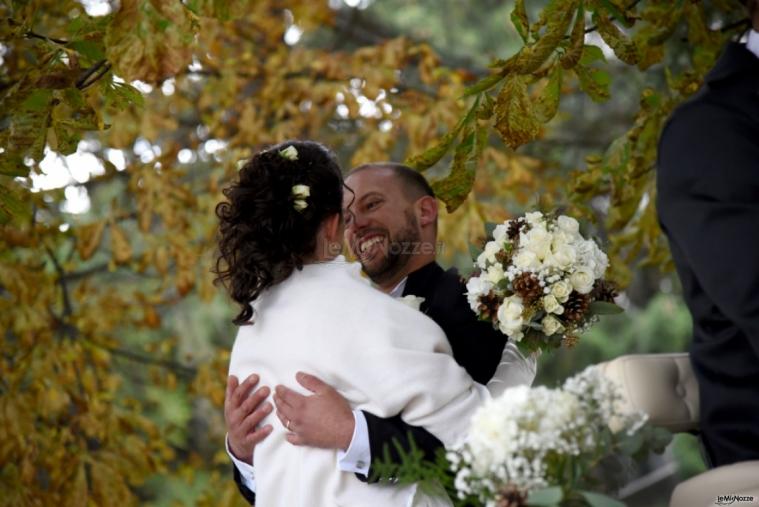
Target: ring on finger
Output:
{"points": [[288, 425]]}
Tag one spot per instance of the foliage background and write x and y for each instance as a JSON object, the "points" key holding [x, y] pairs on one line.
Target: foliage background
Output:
{"points": [[121, 121]]}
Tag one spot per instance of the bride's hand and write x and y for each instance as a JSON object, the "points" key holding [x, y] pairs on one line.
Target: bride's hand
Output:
{"points": [[323, 420], [243, 412]]}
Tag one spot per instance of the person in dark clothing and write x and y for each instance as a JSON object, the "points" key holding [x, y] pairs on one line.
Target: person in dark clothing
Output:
{"points": [[708, 205], [391, 227]]}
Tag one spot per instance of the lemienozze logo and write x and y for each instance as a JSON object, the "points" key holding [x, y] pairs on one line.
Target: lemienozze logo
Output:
{"points": [[731, 499]]}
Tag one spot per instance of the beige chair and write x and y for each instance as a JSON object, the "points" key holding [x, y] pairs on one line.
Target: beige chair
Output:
{"points": [[663, 386]]}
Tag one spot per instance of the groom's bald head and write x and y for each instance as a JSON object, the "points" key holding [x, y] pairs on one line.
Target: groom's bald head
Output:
{"points": [[413, 184]]}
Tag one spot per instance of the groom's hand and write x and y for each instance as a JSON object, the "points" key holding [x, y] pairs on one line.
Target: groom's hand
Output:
{"points": [[243, 412], [323, 420]]}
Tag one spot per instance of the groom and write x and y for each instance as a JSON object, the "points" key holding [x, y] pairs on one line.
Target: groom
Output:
{"points": [[708, 203], [391, 227]]}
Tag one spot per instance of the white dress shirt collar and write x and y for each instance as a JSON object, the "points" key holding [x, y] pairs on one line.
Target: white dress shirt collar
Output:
{"points": [[398, 289], [752, 44]]}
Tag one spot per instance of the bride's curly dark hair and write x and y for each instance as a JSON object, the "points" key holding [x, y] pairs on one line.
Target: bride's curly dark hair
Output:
{"points": [[262, 236]]}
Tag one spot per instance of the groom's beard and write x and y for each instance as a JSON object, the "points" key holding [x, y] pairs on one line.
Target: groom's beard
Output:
{"points": [[392, 259]]}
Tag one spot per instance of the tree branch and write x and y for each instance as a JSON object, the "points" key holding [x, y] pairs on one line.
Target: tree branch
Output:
{"points": [[186, 371]]}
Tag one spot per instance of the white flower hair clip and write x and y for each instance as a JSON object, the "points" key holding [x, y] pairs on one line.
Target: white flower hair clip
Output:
{"points": [[300, 193], [289, 153]]}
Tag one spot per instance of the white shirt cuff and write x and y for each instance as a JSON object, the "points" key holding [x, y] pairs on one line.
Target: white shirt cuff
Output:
{"points": [[358, 457], [247, 473]]}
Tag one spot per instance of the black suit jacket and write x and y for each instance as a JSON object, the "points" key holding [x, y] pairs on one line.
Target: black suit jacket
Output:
{"points": [[708, 204], [476, 346]]}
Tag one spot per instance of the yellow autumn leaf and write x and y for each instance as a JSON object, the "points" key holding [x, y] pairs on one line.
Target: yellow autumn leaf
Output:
{"points": [[121, 249], [516, 118], [149, 40]]}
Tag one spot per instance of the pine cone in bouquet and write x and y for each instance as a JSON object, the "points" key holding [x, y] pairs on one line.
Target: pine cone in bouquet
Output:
{"points": [[539, 279], [515, 227], [527, 286], [604, 290], [489, 304], [511, 496], [576, 306]]}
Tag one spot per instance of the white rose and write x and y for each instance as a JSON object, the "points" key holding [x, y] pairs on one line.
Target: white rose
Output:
{"points": [[551, 305], [482, 261], [495, 274], [476, 287], [568, 224], [526, 260], [551, 325], [510, 318], [500, 232], [491, 248], [582, 280], [534, 217], [538, 241], [562, 256], [561, 290], [413, 301], [601, 261]]}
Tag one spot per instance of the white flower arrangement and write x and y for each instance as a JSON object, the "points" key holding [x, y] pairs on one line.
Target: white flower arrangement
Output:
{"points": [[540, 281], [300, 193], [528, 438]]}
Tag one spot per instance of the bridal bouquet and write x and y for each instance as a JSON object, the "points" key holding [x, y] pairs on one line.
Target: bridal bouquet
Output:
{"points": [[549, 443], [540, 282]]}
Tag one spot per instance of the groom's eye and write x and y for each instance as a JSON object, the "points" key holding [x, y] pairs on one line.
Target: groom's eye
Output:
{"points": [[372, 204]]}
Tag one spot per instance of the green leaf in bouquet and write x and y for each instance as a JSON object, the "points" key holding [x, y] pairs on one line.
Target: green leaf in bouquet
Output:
{"points": [[630, 444], [604, 308], [599, 500], [545, 497], [474, 252], [658, 438]]}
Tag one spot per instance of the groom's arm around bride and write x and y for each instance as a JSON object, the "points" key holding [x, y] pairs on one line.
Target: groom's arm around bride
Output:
{"points": [[391, 226]]}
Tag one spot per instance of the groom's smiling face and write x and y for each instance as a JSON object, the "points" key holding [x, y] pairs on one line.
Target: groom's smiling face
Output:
{"points": [[380, 226]]}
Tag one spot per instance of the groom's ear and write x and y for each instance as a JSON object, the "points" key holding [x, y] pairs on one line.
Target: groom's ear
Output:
{"points": [[333, 227], [427, 210]]}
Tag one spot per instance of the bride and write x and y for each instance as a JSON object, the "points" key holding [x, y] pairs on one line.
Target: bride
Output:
{"points": [[304, 308]]}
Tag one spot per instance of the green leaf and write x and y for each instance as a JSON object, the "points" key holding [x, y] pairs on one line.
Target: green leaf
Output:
{"points": [[530, 58], [483, 84], [576, 41], [548, 102], [594, 82], [10, 204], [630, 444], [615, 12], [453, 189], [12, 166], [599, 500], [89, 48], [38, 100], [546, 497], [516, 118], [431, 156], [623, 47], [519, 18], [604, 308], [126, 94], [590, 54]]}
